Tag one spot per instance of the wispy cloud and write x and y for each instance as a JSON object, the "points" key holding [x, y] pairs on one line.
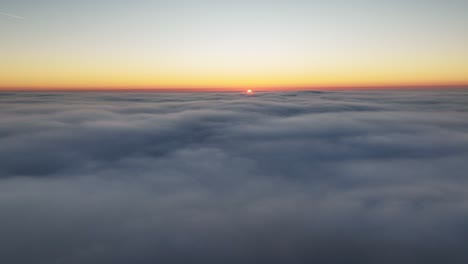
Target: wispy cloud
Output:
{"points": [[11, 15]]}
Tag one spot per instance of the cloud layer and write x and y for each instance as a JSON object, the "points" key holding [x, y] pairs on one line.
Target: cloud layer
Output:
{"points": [[298, 177]]}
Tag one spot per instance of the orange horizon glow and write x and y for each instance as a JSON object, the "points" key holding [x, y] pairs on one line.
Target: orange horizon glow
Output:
{"points": [[234, 46], [237, 89], [107, 76]]}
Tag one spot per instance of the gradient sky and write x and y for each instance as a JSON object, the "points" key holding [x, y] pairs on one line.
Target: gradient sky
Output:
{"points": [[232, 44]]}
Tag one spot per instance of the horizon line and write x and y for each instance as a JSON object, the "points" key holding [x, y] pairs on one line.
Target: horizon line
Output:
{"points": [[240, 89]]}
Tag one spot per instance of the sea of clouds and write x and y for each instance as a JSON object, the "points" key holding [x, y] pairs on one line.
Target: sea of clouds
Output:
{"points": [[291, 177]]}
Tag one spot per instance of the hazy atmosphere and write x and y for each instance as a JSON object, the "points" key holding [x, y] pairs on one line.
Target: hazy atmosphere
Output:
{"points": [[207, 44]]}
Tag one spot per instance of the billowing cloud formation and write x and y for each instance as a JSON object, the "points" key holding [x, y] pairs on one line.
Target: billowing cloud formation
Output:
{"points": [[299, 177]]}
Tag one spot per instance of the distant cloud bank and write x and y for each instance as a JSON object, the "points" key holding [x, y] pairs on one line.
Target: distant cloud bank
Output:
{"points": [[292, 177]]}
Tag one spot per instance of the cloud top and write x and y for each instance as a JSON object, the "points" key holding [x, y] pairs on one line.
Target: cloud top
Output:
{"points": [[296, 177]]}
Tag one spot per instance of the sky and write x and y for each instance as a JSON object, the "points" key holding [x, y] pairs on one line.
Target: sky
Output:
{"points": [[358, 177], [230, 44]]}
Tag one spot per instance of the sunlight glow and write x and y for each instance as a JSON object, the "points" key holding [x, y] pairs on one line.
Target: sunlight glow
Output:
{"points": [[233, 45]]}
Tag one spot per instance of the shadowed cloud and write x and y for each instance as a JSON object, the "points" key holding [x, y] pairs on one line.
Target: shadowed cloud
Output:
{"points": [[296, 177]]}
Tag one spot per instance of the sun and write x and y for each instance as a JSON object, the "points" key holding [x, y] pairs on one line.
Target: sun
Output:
{"points": [[248, 92]]}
